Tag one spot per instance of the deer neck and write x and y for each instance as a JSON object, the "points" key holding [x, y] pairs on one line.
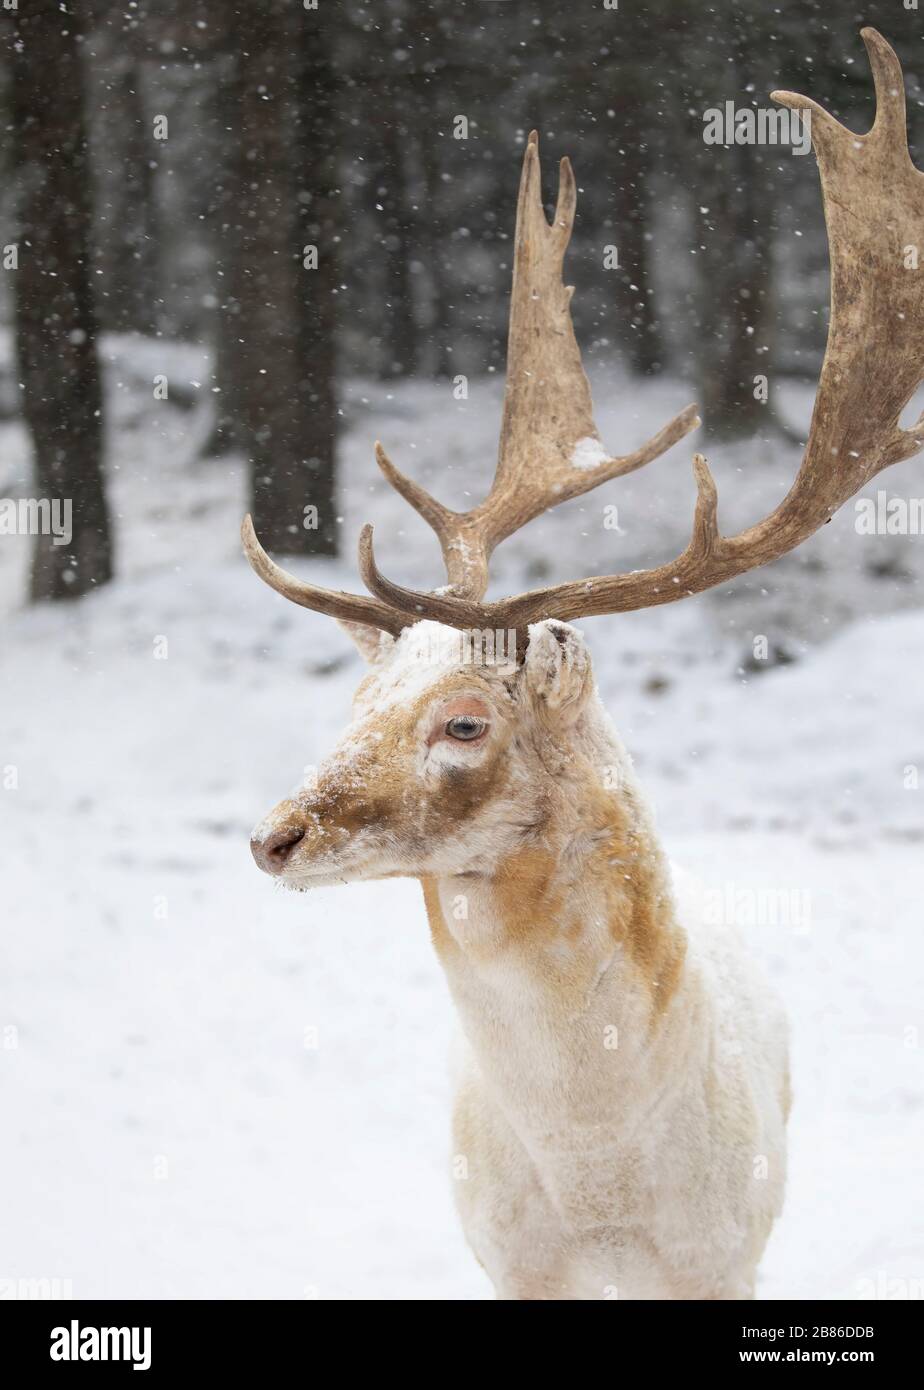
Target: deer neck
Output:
{"points": [[565, 959]]}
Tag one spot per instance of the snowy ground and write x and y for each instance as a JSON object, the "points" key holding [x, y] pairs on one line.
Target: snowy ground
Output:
{"points": [[211, 1088]]}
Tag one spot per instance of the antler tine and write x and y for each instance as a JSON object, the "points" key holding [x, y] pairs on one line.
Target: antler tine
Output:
{"points": [[351, 608], [874, 362], [566, 207], [432, 511], [441, 607], [890, 124], [465, 554]]}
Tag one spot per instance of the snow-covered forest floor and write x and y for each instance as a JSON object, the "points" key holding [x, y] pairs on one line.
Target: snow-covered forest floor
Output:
{"points": [[211, 1088]]}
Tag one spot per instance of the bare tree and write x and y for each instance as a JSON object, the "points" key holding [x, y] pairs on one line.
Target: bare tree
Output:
{"points": [[224, 220], [628, 187], [282, 274], [390, 194], [135, 268], [735, 291], [55, 317]]}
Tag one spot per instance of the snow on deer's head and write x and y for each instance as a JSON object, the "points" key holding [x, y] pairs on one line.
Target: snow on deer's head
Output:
{"points": [[447, 767]]}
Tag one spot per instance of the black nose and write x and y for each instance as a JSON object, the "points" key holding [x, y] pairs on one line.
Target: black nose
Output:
{"points": [[272, 849]]}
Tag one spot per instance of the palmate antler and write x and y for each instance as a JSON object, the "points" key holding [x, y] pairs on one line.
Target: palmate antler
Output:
{"points": [[550, 450]]}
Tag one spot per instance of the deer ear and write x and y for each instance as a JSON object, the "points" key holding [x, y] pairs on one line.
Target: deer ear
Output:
{"points": [[558, 672], [373, 644]]}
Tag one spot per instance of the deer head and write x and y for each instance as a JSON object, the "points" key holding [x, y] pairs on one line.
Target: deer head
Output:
{"points": [[451, 759], [447, 766]]}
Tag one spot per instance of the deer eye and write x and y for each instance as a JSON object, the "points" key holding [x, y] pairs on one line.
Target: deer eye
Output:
{"points": [[465, 727]]}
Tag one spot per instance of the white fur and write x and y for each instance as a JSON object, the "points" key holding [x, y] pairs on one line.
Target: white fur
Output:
{"points": [[650, 1169]]}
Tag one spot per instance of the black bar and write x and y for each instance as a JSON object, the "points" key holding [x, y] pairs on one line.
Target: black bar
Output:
{"points": [[243, 1338]]}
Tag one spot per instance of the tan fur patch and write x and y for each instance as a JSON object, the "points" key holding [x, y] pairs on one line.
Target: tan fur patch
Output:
{"points": [[533, 899], [529, 902], [639, 907], [375, 788], [440, 934]]}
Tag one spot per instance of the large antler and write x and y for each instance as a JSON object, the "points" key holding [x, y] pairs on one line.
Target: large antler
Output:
{"points": [[550, 448], [874, 362]]}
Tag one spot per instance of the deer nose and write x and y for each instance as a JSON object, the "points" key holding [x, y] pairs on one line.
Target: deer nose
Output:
{"points": [[272, 848]]}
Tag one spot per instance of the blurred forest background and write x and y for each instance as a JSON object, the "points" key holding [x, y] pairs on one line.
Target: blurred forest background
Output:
{"points": [[167, 168]]}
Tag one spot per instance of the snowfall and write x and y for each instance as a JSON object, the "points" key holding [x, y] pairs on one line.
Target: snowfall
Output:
{"points": [[214, 1088]]}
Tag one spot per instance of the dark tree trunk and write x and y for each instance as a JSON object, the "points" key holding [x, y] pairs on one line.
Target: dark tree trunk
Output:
{"points": [[134, 283], [635, 292], [400, 332], [224, 216], [733, 218], [317, 199], [283, 372], [437, 249], [55, 319], [734, 264]]}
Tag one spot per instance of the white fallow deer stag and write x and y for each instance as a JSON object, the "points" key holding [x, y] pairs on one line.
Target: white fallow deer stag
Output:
{"points": [[622, 1098]]}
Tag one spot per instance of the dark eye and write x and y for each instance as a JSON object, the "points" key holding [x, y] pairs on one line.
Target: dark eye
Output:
{"points": [[466, 727]]}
